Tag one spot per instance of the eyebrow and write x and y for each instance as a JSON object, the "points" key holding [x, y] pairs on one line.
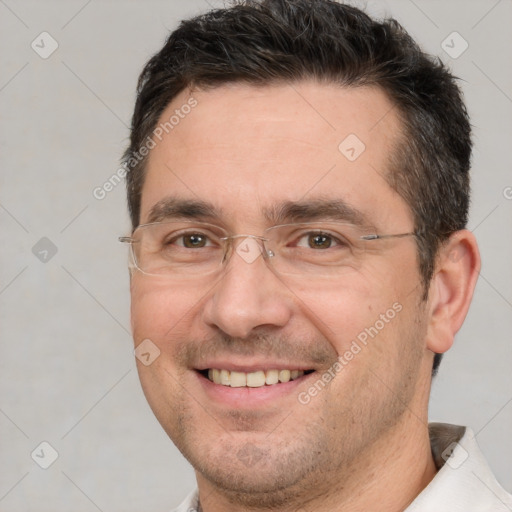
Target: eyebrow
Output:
{"points": [[315, 209], [170, 208]]}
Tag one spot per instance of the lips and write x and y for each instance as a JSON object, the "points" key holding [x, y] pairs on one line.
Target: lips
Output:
{"points": [[251, 384]]}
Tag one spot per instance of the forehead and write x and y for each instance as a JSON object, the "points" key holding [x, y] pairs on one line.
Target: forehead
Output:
{"points": [[247, 149]]}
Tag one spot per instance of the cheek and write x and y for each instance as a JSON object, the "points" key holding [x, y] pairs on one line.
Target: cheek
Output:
{"points": [[344, 310], [362, 317], [159, 311]]}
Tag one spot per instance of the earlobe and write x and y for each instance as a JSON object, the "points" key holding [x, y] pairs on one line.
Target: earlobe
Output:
{"points": [[451, 289]]}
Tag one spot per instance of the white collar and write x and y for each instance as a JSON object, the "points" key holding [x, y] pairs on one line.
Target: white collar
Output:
{"points": [[464, 482]]}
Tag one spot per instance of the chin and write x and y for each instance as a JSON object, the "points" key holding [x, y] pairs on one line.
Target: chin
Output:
{"points": [[253, 469]]}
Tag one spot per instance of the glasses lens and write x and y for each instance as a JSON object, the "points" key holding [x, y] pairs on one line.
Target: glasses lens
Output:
{"points": [[181, 249], [190, 249], [316, 249]]}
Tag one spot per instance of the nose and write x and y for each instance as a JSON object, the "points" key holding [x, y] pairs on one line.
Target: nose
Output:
{"points": [[248, 295]]}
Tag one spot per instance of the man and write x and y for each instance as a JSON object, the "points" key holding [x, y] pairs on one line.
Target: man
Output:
{"points": [[298, 187]]}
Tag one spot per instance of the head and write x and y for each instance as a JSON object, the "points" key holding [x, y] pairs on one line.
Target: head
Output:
{"points": [[271, 42], [263, 93]]}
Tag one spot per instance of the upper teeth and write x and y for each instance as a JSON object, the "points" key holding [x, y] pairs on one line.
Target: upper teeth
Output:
{"points": [[253, 379]]}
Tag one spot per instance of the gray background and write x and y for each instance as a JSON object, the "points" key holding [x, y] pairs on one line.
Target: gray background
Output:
{"points": [[67, 372]]}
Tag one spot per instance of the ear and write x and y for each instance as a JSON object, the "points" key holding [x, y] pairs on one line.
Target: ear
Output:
{"points": [[451, 289]]}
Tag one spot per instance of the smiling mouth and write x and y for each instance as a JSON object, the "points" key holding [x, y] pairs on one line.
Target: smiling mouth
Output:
{"points": [[255, 379]]}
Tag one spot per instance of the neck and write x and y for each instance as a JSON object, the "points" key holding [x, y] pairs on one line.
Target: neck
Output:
{"points": [[387, 477]]}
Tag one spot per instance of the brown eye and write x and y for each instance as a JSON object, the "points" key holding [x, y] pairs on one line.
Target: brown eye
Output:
{"points": [[194, 240], [187, 240], [319, 241]]}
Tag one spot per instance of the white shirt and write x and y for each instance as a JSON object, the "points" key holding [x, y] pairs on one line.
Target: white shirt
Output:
{"points": [[464, 482]]}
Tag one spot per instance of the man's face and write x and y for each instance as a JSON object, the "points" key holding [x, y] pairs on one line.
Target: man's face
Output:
{"points": [[245, 150]]}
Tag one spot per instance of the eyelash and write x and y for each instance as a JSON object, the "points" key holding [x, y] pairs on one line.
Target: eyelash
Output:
{"points": [[181, 236], [334, 239]]}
